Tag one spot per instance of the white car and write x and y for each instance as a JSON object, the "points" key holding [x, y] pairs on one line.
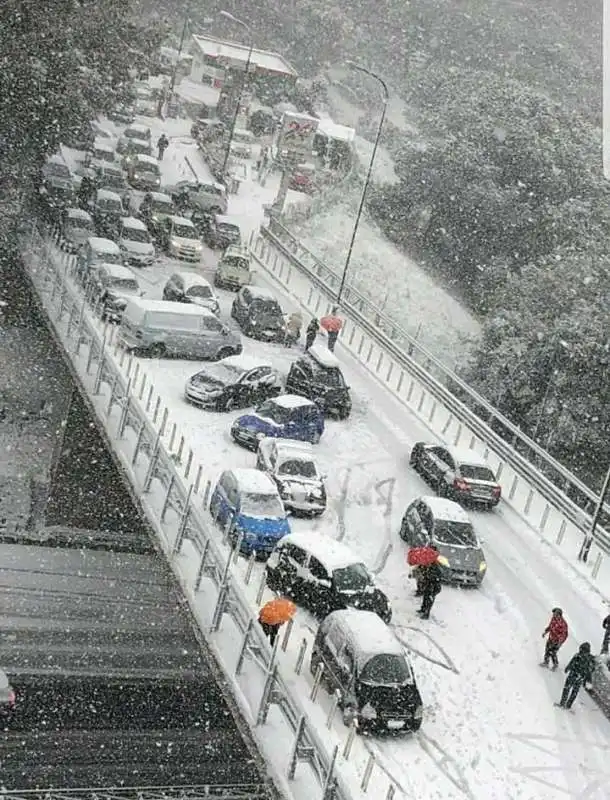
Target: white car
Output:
{"points": [[180, 238], [135, 242]]}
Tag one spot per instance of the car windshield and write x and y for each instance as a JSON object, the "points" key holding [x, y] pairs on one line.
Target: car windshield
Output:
{"points": [[266, 306], [229, 230], [206, 189], [140, 148], [354, 578], [238, 263], [204, 292], [110, 204], [298, 466], [162, 207], [134, 133], [104, 155], [225, 373], [275, 413], [81, 225], [185, 232], [124, 284], [58, 170], [386, 670], [476, 472], [261, 505], [136, 235], [329, 377], [454, 533], [110, 181]]}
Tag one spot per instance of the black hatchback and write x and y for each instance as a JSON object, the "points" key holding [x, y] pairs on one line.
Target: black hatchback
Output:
{"points": [[317, 375], [259, 314]]}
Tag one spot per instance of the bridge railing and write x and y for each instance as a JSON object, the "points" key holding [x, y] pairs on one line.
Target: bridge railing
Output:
{"points": [[276, 248], [170, 488]]}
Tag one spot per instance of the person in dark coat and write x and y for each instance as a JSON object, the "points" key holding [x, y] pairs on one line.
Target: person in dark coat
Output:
{"points": [[556, 632], [606, 639], [579, 671], [311, 332], [430, 585], [86, 190], [162, 145]]}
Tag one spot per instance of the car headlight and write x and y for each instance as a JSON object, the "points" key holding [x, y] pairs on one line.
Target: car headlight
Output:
{"points": [[174, 243], [285, 490], [317, 493], [419, 712], [443, 561], [482, 566], [368, 712], [253, 323]]}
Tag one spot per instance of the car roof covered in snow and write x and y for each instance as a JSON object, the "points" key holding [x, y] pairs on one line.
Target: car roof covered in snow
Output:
{"points": [[57, 158], [161, 197], [260, 292], [150, 161], [139, 128], [245, 362], [169, 306], [324, 357], [181, 221], [103, 144], [368, 633], [237, 251], [464, 455], [253, 481], [191, 278], [107, 194], [292, 401], [445, 509], [332, 554], [133, 222], [78, 214], [101, 245], [223, 219], [118, 271], [288, 448]]}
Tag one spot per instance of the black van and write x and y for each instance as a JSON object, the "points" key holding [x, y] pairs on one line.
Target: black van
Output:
{"points": [[364, 661], [317, 375], [323, 575]]}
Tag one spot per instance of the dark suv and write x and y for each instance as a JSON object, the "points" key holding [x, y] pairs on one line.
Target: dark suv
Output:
{"points": [[317, 375], [259, 314]]}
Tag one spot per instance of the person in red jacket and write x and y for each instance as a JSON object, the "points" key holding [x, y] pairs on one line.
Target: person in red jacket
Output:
{"points": [[332, 324], [556, 632]]}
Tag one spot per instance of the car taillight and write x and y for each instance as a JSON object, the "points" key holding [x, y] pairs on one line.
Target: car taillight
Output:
{"points": [[11, 698], [496, 491], [461, 485]]}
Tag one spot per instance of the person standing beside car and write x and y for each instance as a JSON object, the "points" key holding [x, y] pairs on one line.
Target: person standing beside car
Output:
{"points": [[606, 639], [579, 671], [430, 585], [556, 632], [162, 145], [311, 333]]}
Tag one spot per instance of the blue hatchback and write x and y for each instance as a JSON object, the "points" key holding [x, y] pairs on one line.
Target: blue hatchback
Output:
{"points": [[248, 498], [285, 417]]}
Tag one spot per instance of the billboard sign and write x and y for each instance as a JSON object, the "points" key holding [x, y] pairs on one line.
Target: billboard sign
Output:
{"points": [[296, 136]]}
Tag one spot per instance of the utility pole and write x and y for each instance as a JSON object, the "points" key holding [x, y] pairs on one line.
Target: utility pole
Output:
{"points": [[590, 536]]}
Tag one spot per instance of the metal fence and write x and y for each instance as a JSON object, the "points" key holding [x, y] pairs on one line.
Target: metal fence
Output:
{"points": [[556, 483], [207, 792], [128, 406]]}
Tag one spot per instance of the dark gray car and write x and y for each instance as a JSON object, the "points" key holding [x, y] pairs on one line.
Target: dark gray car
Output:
{"points": [[445, 524]]}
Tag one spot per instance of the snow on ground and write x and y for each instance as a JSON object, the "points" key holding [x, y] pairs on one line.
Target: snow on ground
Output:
{"points": [[490, 729]]}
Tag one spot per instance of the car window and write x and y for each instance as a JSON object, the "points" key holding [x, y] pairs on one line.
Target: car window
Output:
{"points": [[205, 292], [246, 296], [210, 324], [354, 578], [57, 170], [476, 472], [124, 284], [295, 553], [298, 466], [184, 232], [135, 235], [162, 207], [317, 569], [455, 533], [275, 413], [386, 670], [264, 506]]}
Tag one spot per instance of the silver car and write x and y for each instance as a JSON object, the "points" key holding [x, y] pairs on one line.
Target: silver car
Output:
{"points": [[135, 242], [77, 226], [445, 524]]}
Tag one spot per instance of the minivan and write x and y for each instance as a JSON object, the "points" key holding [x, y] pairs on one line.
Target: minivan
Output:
{"points": [[97, 251], [234, 268], [159, 329], [248, 500], [324, 575], [365, 663]]}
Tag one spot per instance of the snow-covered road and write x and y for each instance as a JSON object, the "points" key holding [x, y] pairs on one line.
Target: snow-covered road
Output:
{"points": [[490, 728]]}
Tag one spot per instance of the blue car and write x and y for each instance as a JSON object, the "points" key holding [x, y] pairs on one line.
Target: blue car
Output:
{"points": [[250, 500], [285, 417]]}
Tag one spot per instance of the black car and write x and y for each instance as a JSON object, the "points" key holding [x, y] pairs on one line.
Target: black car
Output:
{"points": [[259, 314], [317, 375], [364, 661], [456, 473], [323, 575], [220, 232], [234, 382]]}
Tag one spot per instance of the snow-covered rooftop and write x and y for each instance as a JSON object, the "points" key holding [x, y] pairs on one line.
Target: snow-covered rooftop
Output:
{"points": [[253, 481], [103, 145], [198, 92], [292, 401], [332, 554], [258, 291], [231, 51], [161, 197], [446, 509], [333, 130], [142, 130]]}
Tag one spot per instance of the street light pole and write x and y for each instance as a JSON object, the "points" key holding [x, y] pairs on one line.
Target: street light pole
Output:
{"points": [[180, 46], [386, 96], [583, 555], [237, 21]]}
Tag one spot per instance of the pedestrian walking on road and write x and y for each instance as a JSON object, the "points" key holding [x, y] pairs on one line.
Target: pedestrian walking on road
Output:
{"points": [[332, 324], [162, 145], [606, 639], [274, 614], [311, 332], [579, 671], [430, 585], [556, 632]]}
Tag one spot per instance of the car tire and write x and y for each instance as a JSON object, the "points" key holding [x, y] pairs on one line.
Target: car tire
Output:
{"points": [[224, 352], [315, 438], [229, 404]]}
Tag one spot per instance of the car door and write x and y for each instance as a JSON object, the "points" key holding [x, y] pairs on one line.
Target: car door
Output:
{"points": [[242, 302], [299, 378], [441, 464], [211, 338], [318, 588], [309, 422], [411, 524], [423, 535], [250, 388], [294, 577], [221, 507]]}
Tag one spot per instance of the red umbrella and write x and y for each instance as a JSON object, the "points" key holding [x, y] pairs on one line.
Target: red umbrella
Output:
{"points": [[422, 556]]}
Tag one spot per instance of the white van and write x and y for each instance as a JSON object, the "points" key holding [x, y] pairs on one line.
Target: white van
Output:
{"points": [[234, 268], [158, 328]]}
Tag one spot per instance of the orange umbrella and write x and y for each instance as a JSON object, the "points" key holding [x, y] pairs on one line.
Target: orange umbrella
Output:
{"points": [[278, 611]]}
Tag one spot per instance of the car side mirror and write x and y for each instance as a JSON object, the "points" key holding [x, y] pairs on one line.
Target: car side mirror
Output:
{"points": [[225, 331]]}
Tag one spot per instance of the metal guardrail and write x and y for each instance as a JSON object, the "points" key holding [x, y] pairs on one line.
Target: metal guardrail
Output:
{"points": [[207, 792], [69, 312], [554, 482]]}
